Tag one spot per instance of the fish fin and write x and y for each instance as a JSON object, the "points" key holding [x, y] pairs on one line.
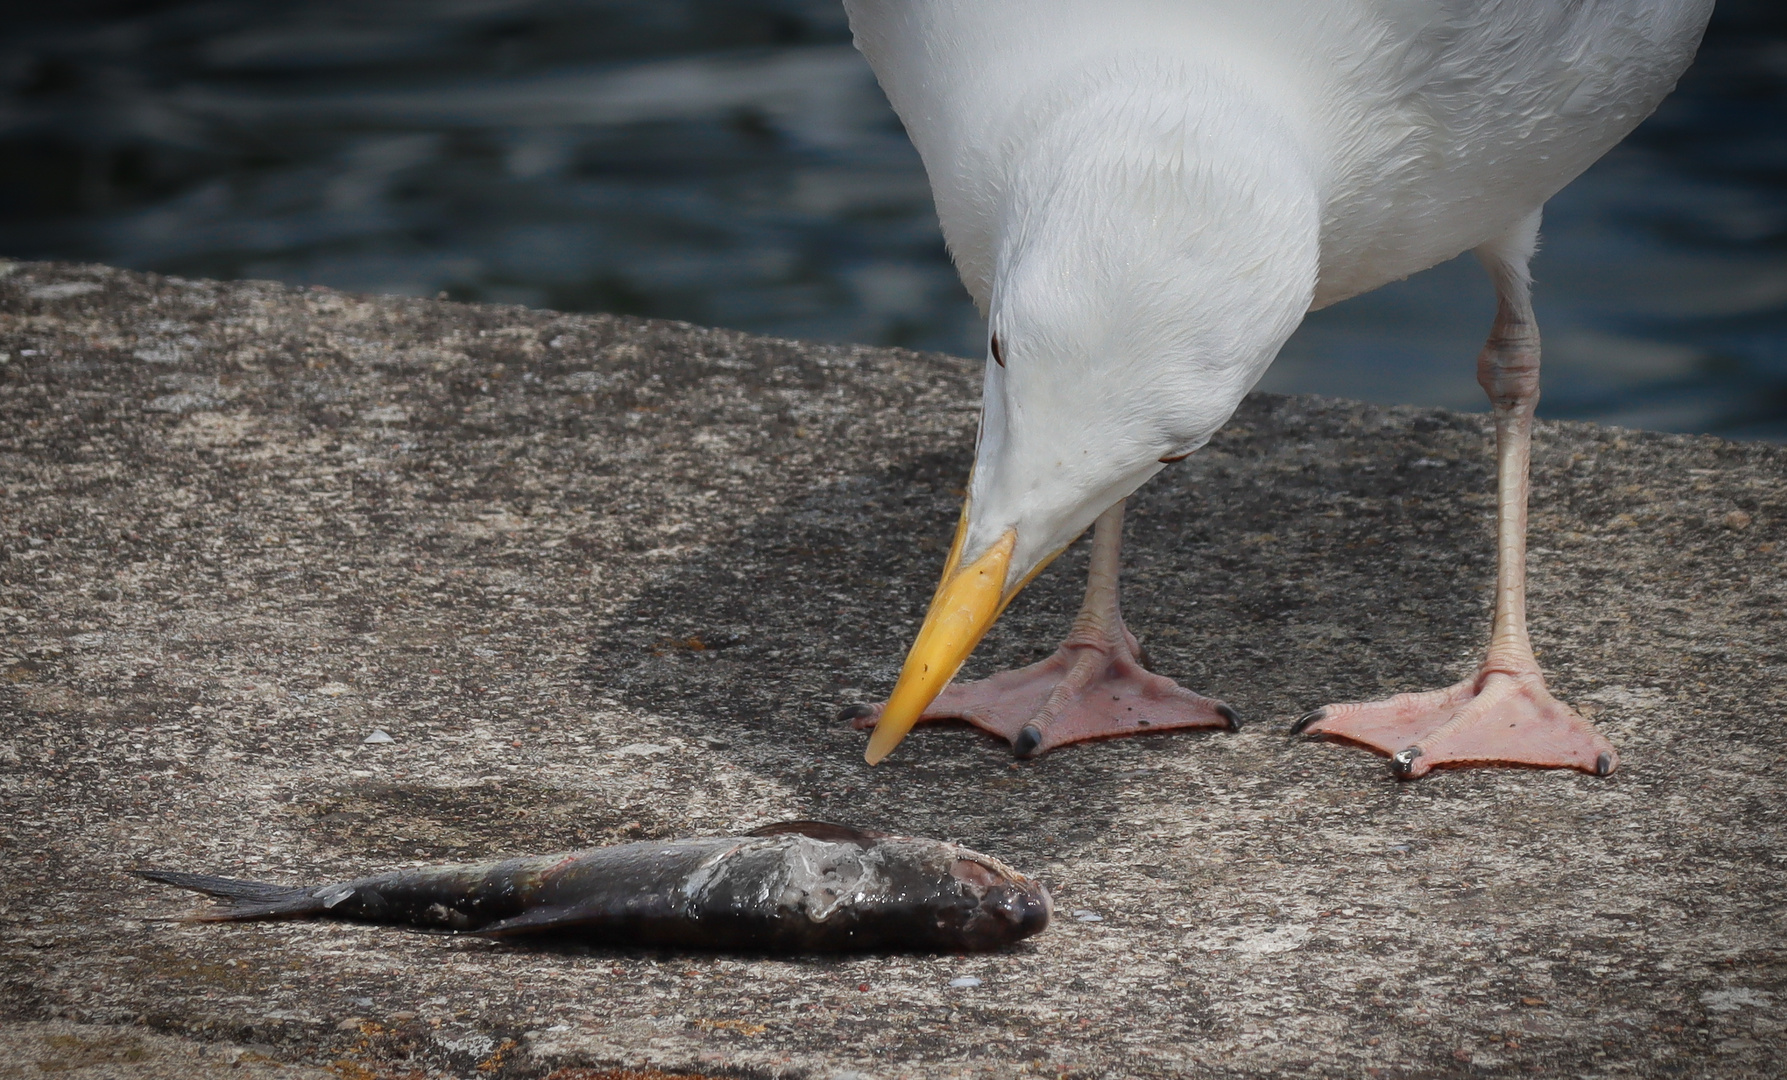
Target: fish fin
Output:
{"points": [[227, 888], [244, 899], [536, 921], [822, 830]]}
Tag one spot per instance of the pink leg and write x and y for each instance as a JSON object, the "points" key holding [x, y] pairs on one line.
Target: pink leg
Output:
{"points": [[1503, 715], [1094, 687]]}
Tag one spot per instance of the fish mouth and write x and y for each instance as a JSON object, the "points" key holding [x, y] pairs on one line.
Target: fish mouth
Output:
{"points": [[1029, 909]]}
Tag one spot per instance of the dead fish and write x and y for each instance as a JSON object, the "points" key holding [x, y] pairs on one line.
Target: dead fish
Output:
{"points": [[800, 886]]}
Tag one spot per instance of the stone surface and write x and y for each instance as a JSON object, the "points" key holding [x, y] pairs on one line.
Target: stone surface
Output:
{"points": [[70, 1051], [602, 579]]}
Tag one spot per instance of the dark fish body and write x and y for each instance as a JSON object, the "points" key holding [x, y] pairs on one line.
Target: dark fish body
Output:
{"points": [[798, 887]]}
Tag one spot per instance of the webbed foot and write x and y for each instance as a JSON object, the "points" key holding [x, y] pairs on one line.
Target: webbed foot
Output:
{"points": [[1497, 718], [1089, 689]]}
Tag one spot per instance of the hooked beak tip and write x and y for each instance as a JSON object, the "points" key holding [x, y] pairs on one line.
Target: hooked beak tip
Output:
{"points": [[967, 602]]}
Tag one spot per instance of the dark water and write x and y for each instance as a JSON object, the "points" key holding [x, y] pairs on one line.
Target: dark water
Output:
{"points": [[732, 162]]}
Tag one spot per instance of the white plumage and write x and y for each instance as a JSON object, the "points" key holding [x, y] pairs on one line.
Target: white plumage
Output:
{"points": [[1146, 196]]}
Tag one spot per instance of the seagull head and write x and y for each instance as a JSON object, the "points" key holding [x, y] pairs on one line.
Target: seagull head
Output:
{"points": [[1131, 308]]}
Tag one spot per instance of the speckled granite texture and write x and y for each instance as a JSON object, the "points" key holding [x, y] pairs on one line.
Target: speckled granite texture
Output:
{"points": [[602, 579]]}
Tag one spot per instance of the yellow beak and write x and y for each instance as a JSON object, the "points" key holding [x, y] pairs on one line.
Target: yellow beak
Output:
{"points": [[967, 602]]}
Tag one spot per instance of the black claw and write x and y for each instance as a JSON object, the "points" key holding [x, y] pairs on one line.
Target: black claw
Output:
{"points": [[1307, 719], [1403, 761], [1027, 741], [854, 712], [1604, 764], [1233, 717]]}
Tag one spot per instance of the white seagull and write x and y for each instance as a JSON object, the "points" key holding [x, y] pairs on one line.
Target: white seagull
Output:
{"points": [[1144, 198]]}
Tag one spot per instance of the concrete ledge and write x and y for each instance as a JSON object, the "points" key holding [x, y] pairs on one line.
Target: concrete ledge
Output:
{"points": [[602, 579]]}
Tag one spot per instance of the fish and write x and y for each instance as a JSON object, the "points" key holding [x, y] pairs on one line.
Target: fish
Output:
{"points": [[792, 887]]}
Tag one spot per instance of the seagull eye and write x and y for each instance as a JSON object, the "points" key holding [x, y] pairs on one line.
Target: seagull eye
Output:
{"points": [[998, 352]]}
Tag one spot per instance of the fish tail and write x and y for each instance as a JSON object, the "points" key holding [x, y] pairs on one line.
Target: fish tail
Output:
{"points": [[243, 899]]}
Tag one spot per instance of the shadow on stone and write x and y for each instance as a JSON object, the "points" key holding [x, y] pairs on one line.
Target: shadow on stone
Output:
{"points": [[1340, 578]]}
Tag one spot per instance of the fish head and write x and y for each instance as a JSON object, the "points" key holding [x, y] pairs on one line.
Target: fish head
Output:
{"points": [[998, 906]]}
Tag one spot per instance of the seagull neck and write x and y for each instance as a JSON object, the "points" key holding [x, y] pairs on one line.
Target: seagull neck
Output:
{"points": [[1160, 125], [1172, 179]]}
